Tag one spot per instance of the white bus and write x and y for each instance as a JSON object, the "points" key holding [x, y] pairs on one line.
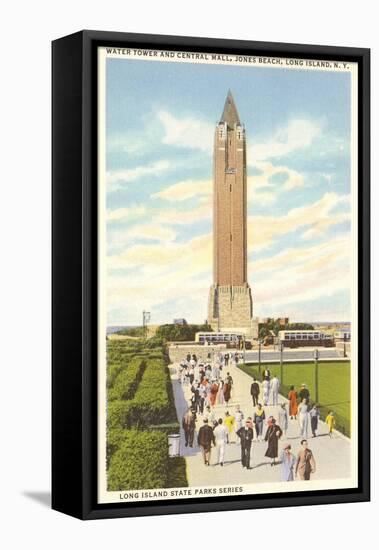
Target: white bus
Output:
{"points": [[304, 338], [231, 339]]}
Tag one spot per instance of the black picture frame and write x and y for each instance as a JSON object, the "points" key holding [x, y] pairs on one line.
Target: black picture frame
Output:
{"points": [[74, 273]]}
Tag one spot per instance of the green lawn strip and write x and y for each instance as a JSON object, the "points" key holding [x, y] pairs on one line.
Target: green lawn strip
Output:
{"points": [[334, 385], [177, 472]]}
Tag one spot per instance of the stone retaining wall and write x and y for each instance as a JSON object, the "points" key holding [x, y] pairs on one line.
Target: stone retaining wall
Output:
{"points": [[177, 352]]}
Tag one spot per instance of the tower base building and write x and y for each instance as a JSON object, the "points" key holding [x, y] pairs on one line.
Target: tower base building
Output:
{"points": [[230, 309]]}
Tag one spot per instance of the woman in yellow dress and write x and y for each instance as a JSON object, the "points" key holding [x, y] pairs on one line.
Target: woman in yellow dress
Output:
{"points": [[229, 421], [331, 422]]}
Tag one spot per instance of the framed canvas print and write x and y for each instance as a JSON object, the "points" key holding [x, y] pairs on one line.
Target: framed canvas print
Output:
{"points": [[210, 274]]}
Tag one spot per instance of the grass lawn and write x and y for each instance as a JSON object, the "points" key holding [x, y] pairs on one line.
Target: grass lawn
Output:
{"points": [[334, 385], [177, 476]]}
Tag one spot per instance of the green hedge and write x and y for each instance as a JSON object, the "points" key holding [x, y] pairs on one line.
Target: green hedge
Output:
{"points": [[113, 370], [153, 401], [170, 428], [140, 414], [141, 462], [126, 382], [118, 414], [152, 404]]}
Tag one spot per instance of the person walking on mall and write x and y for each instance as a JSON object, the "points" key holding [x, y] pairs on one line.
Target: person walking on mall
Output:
{"points": [[221, 438], [303, 418], [272, 436], [189, 424], [275, 386], [288, 462], [259, 418], [305, 463], [246, 435], [254, 392], [292, 398], [283, 418], [314, 415]]}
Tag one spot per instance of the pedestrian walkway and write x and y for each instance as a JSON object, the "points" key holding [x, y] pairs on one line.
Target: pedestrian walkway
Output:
{"points": [[332, 455]]}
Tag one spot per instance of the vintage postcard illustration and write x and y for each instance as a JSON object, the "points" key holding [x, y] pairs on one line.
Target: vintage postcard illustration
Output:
{"points": [[227, 252]]}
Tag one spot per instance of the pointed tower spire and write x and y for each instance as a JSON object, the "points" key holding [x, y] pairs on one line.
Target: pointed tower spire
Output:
{"points": [[230, 113]]}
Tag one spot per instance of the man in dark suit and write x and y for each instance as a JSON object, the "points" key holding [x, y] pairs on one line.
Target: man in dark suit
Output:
{"points": [[246, 434], [254, 392], [205, 439], [188, 424], [304, 393]]}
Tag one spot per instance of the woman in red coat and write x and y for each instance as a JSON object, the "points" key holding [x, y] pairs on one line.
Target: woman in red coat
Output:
{"points": [[213, 393], [227, 389], [292, 396]]}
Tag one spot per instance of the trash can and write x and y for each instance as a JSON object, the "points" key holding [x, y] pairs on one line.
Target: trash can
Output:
{"points": [[173, 445]]}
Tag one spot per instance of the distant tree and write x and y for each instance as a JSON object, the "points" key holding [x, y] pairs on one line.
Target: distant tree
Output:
{"points": [[275, 326], [263, 331], [131, 331], [180, 333], [299, 326]]}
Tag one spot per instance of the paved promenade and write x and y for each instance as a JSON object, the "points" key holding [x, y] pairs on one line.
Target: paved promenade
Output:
{"points": [[332, 455]]}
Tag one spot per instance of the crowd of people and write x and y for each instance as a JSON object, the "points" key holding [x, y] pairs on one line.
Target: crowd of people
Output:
{"points": [[210, 384]]}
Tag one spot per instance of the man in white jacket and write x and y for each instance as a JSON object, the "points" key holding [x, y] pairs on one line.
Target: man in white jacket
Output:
{"points": [[221, 437], [275, 386]]}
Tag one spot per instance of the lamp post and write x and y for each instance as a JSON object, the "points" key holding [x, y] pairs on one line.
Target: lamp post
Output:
{"points": [[259, 356], [145, 320], [281, 361], [316, 356]]}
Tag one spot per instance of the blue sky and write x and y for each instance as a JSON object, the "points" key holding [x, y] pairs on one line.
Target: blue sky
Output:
{"points": [[160, 120]]}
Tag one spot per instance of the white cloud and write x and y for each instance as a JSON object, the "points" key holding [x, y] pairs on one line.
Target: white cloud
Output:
{"points": [[298, 276], [163, 270], [304, 259], [317, 217], [186, 132], [163, 274], [298, 134], [127, 214], [121, 239], [259, 190], [151, 231], [194, 253], [184, 190], [116, 178], [184, 217]]}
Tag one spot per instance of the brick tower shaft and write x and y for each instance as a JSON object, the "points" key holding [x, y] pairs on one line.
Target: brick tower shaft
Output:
{"points": [[229, 199], [230, 306]]}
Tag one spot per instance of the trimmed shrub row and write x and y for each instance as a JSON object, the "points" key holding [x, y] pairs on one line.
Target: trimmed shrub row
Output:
{"points": [[140, 414], [141, 462], [127, 380], [152, 403]]}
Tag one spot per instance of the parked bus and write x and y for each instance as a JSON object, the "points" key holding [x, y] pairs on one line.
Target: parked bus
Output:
{"points": [[305, 338], [231, 339]]}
